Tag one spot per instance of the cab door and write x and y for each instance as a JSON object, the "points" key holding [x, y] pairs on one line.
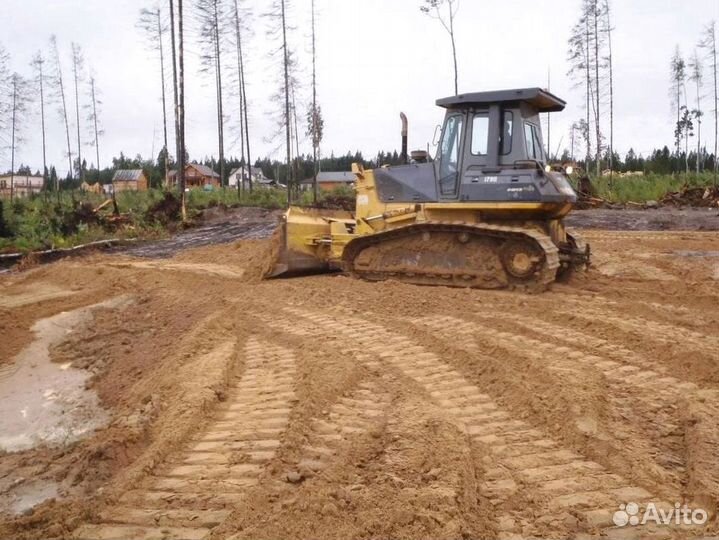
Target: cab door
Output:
{"points": [[449, 159]]}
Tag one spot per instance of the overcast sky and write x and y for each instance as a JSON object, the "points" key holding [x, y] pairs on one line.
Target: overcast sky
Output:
{"points": [[375, 59]]}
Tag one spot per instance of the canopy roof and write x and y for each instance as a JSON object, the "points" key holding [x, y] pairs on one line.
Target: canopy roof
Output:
{"points": [[542, 100]]}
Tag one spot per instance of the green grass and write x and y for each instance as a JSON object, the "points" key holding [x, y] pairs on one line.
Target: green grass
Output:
{"points": [[650, 187], [46, 221]]}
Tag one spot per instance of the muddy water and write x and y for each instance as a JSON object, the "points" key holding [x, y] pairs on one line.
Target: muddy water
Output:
{"points": [[42, 402]]}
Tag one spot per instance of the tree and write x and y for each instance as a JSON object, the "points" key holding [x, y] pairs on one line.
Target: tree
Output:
{"points": [[77, 67], [684, 130], [20, 98], [607, 28], [433, 8], [315, 122], [242, 92], [37, 64], [677, 68], [181, 104], [59, 84], [151, 22], [93, 118], [278, 30], [209, 14], [709, 44], [696, 75]]}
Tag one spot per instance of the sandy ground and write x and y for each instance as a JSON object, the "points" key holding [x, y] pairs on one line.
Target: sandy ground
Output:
{"points": [[325, 407]]}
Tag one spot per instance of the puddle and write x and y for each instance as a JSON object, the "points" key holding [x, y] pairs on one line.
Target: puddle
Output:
{"points": [[28, 495], [42, 402]]}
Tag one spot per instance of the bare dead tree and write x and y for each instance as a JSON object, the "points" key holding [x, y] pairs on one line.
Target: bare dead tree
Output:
{"points": [[696, 75], [709, 44], [19, 100], [93, 118], [209, 14], [677, 68], [77, 67], [433, 8], [246, 164], [278, 30], [152, 23], [59, 84], [181, 102], [38, 65], [608, 29], [315, 127], [175, 88]]}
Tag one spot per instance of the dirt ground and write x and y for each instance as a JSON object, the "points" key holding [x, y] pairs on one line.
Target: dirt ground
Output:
{"points": [[326, 407]]}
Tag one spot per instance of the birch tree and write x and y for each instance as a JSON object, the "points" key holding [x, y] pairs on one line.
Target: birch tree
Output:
{"points": [[59, 88], [445, 11], [152, 23], [19, 101], [209, 14], [77, 68], [709, 44]]}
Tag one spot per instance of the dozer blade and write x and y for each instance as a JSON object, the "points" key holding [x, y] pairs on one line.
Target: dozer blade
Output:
{"points": [[300, 244]]}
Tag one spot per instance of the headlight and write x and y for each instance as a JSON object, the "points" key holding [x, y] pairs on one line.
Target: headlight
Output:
{"points": [[548, 168], [569, 170]]}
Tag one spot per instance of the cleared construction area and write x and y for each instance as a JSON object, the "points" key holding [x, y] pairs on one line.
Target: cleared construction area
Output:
{"points": [[330, 407]]}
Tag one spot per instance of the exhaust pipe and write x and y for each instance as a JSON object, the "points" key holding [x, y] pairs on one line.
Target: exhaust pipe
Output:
{"points": [[404, 137]]}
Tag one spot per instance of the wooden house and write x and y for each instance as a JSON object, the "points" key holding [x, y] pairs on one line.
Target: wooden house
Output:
{"points": [[129, 180], [196, 176]]}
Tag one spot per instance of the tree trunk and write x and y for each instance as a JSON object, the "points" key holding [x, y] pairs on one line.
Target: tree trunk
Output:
{"points": [[287, 102], [597, 114], [178, 142], [218, 77], [611, 95], [40, 62], [63, 102], [238, 42], [76, 76], [454, 49], [181, 106], [164, 98], [699, 127], [12, 146], [588, 92], [716, 99], [315, 141], [97, 131]]}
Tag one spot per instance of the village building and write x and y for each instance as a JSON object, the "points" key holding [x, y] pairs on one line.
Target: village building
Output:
{"points": [[129, 180], [329, 180], [259, 180], [20, 185], [196, 176]]}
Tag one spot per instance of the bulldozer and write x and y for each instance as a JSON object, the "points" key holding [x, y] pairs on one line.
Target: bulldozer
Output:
{"points": [[487, 212]]}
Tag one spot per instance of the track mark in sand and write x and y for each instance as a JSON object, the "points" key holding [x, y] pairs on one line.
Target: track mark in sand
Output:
{"points": [[204, 269], [360, 413], [650, 370], [663, 332], [196, 488], [522, 460], [632, 392], [41, 293]]}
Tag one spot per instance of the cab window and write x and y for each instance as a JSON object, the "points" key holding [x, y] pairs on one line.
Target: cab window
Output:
{"points": [[450, 155], [531, 139], [506, 141], [480, 134]]}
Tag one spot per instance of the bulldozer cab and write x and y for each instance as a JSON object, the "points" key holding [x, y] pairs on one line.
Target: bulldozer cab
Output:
{"points": [[490, 149]]}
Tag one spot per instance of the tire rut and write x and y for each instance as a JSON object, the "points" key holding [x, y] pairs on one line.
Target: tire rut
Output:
{"points": [[195, 489], [522, 461]]}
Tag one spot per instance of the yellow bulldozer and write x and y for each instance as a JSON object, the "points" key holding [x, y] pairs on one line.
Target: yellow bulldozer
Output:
{"points": [[486, 213]]}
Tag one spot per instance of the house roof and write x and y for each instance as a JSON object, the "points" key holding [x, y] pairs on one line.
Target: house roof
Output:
{"points": [[542, 100], [202, 169], [127, 175], [333, 176]]}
